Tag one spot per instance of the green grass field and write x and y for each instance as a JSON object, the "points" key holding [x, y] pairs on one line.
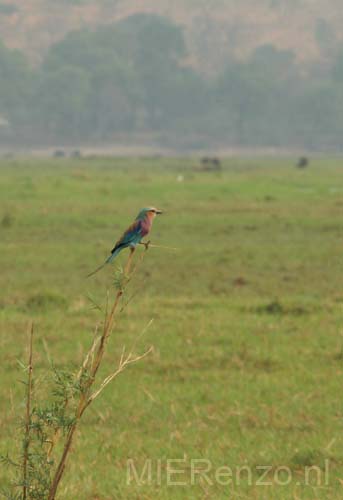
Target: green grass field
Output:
{"points": [[247, 368]]}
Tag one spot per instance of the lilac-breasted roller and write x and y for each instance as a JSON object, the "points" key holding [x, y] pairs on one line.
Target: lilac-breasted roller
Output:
{"points": [[133, 235]]}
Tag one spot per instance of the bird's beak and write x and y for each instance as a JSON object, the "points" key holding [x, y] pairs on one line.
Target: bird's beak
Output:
{"points": [[158, 212]]}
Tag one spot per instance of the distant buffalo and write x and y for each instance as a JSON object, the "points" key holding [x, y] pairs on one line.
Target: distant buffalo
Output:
{"points": [[302, 162], [59, 153], [210, 164]]}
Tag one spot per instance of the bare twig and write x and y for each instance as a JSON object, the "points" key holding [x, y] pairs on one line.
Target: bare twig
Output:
{"points": [[122, 365], [141, 335], [129, 260], [150, 245], [106, 332], [147, 245], [89, 356], [28, 416]]}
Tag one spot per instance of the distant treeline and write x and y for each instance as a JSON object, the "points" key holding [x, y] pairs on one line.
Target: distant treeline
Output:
{"points": [[135, 77]]}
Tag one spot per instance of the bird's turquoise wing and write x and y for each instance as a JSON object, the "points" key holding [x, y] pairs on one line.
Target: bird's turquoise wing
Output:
{"points": [[132, 236]]}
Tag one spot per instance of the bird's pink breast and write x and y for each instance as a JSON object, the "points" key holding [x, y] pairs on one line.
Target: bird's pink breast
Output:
{"points": [[145, 227]]}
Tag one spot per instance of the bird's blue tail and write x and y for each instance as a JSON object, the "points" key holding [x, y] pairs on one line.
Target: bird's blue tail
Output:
{"points": [[107, 261], [112, 256]]}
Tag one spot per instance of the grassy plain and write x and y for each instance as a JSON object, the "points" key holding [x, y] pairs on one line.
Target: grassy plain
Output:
{"points": [[248, 320]]}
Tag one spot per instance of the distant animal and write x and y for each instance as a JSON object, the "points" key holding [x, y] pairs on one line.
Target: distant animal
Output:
{"points": [[205, 160], [302, 162], [210, 164], [75, 154], [133, 235], [59, 153]]}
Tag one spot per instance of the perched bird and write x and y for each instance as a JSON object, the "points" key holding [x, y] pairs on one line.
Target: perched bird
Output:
{"points": [[133, 235]]}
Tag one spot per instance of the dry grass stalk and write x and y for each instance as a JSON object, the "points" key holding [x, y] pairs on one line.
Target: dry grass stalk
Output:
{"points": [[90, 368], [28, 415], [123, 363]]}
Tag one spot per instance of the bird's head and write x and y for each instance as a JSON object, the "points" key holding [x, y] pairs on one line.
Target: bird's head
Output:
{"points": [[150, 212]]}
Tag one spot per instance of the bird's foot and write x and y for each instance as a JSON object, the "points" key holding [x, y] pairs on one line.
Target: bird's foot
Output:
{"points": [[146, 244]]}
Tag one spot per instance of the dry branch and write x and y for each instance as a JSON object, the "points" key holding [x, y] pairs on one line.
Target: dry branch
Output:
{"points": [[90, 367]]}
